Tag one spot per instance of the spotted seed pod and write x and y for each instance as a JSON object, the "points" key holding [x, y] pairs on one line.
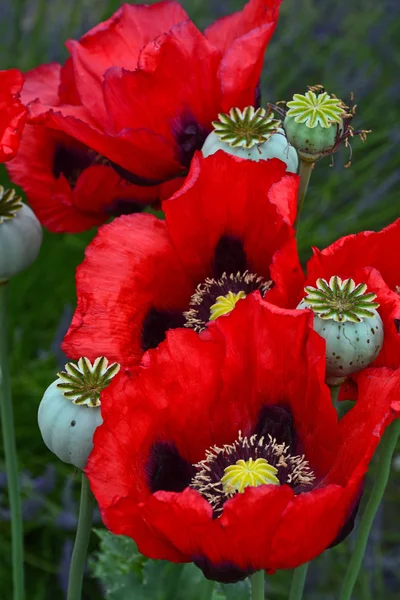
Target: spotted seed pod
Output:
{"points": [[251, 134], [20, 235], [69, 412], [314, 124], [347, 318]]}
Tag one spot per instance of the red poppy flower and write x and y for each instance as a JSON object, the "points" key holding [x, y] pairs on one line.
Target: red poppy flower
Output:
{"points": [[12, 113], [147, 84], [226, 233], [69, 186], [371, 258], [181, 438]]}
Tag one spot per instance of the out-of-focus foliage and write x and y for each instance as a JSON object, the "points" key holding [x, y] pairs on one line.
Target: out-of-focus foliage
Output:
{"points": [[346, 45]]}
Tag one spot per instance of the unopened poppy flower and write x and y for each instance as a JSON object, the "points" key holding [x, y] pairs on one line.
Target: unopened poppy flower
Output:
{"points": [[226, 233], [69, 186], [12, 113], [224, 449], [365, 266], [147, 84]]}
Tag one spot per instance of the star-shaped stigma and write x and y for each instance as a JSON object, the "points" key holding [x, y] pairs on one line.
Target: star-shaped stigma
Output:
{"points": [[246, 128], [83, 383], [341, 300], [316, 109], [10, 203]]}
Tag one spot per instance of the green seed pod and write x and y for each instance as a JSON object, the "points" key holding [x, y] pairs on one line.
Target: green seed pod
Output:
{"points": [[20, 235], [251, 134], [69, 412], [314, 124], [346, 317]]}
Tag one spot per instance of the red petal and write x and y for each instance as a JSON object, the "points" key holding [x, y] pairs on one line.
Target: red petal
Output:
{"points": [[225, 195], [129, 268], [117, 42], [225, 31], [12, 113], [42, 83], [367, 249], [362, 427]]}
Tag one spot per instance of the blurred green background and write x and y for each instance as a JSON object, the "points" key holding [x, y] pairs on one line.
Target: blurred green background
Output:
{"points": [[346, 45]]}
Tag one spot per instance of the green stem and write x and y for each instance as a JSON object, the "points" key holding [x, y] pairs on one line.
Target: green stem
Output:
{"points": [[335, 389], [10, 451], [257, 585], [208, 588], [384, 459], [78, 560], [305, 171], [298, 582]]}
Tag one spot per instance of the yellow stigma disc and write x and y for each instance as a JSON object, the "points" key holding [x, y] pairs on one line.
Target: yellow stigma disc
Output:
{"points": [[225, 304], [250, 473]]}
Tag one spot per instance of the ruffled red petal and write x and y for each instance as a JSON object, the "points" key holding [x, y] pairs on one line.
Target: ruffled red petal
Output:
{"points": [[130, 267], [224, 195], [227, 30], [117, 41], [12, 113], [42, 83], [367, 249]]}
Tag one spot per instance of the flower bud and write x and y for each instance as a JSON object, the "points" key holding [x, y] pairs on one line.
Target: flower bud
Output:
{"points": [[252, 134], [69, 412], [346, 317], [20, 235]]}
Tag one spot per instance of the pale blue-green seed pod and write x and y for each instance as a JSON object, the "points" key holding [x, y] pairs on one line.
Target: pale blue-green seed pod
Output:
{"points": [[20, 235], [276, 146], [69, 412], [253, 135], [314, 124], [347, 318]]}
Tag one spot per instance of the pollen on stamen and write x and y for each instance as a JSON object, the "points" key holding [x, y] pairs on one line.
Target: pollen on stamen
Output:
{"points": [[206, 302], [214, 478]]}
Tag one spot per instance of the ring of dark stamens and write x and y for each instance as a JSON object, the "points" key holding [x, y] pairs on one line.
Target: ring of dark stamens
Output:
{"points": [[206, 295], [292, 469]]}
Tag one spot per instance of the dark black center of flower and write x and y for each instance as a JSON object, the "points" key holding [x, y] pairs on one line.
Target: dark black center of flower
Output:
{"points": [[229, 275], [217, 297], [276, 451], [71, 161]]}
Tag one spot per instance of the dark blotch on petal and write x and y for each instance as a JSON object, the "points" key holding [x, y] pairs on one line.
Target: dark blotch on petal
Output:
{"points": [[136, 179], [349, 524], [224, 572], [156, 324], [190, 136], [124, 207], [229, 256], [277, 422], [70, 162], [257, 95], [397, 324], [167, 470]]}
